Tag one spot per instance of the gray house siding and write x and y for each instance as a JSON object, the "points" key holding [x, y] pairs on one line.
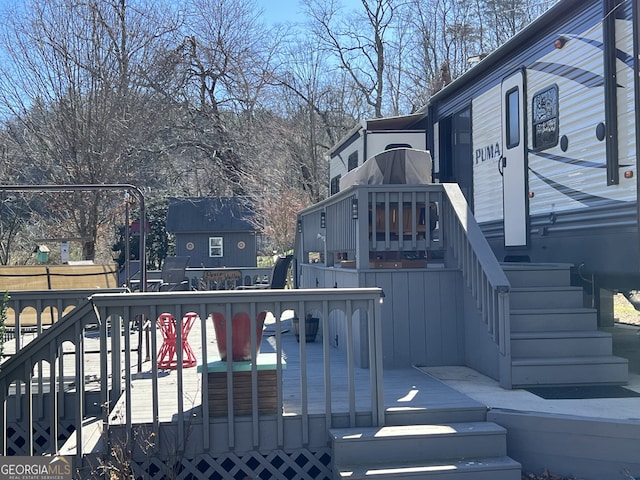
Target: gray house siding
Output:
{"points": [[579, 447], [480, 351], [194, 221], [424, 323], [239, 249]]}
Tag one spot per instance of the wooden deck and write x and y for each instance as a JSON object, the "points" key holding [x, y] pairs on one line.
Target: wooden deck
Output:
{"points": [[432, 393], [405, 389]]}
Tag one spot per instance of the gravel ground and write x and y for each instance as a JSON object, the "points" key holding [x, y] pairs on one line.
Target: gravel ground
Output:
{"points": [[624, 312]]}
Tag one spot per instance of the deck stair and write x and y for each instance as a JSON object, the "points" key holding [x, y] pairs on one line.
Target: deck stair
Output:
{"points": [[554, 339], [451, 451], [93, 441]]}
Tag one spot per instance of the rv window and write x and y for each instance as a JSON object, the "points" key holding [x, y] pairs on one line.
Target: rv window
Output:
{"points": [[352, 161], [513, 118], [335, 185], [544, 116], [397, 145]]}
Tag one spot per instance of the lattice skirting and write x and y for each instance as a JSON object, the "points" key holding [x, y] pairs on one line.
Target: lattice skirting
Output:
{"points": [[17, 437], [299, 464]]}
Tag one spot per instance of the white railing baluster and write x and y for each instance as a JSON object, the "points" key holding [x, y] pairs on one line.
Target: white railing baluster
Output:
{"points": [[80, 388], [204, 392], [109, 310], [477, 255], [350, 366]]}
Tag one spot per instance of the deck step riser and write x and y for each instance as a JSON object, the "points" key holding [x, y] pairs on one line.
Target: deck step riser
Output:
{"points": [[554, 339], [413, 450], [542, 298], [544, 347], [435, 416], [576, 374], [557, 321], [410, 445], [538, 277], [480, 469]]}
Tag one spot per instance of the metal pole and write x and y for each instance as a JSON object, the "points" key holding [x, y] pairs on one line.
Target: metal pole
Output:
{"points": [[127, 247]]}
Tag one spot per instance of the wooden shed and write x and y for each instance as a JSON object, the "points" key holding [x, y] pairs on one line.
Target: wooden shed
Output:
{"points": [[213, 231]]}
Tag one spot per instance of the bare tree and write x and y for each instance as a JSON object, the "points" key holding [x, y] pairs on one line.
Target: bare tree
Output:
{"points": [[214, 102], [225, 56], [357, 42], [447, 34], [70, 84], [312, 108]]}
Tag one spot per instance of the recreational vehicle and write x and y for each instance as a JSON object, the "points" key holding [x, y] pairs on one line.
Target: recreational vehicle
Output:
{"points": [[542, 137], [369, 138]]}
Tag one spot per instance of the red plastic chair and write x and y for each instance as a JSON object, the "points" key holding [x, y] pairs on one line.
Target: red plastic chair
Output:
{"points": [[240, 335], [167, 355]]}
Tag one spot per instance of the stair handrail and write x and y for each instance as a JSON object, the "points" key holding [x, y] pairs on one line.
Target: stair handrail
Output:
{"points": [[479, 266], [46, 348]]}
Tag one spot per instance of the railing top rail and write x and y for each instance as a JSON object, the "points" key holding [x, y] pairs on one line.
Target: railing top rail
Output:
{"points": [[352, 189], [233, 296], [67, 293], [485, 256]]}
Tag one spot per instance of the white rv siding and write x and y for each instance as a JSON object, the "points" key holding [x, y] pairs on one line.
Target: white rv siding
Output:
{"points": [[369, 144], [579, 210], [338, 163], [577, 178], [582, 168], [487, 145], [377, 142]]}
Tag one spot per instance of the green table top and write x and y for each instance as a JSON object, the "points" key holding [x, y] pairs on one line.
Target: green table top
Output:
{"points": [[265, 361]]}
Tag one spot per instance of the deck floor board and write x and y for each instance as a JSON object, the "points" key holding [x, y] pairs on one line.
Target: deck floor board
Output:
{"points": [[404, 388]]}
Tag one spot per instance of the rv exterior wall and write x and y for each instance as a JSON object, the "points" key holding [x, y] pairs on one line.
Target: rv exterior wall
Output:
{"points": [[487, 148], [575, 213]]}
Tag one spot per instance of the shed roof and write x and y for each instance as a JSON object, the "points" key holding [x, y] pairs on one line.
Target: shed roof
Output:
{"points": [[209, 214]]}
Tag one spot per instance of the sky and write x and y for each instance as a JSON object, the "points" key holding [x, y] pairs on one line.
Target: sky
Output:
{"points": [[276, 11], [283, 11]]}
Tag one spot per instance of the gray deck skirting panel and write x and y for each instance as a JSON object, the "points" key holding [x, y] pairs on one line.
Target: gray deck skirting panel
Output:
{"points": [[585, 448]]}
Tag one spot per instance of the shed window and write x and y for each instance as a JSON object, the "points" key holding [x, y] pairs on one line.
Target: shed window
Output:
{"points": [[215, 247]]}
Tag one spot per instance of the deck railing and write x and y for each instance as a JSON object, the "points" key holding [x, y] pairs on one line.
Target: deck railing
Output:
{"points": [[481, 271], [116, 315], [367, 223], [31, 312]]}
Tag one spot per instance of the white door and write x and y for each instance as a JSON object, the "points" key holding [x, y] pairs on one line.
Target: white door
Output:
{"points": [[513, 162]]}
